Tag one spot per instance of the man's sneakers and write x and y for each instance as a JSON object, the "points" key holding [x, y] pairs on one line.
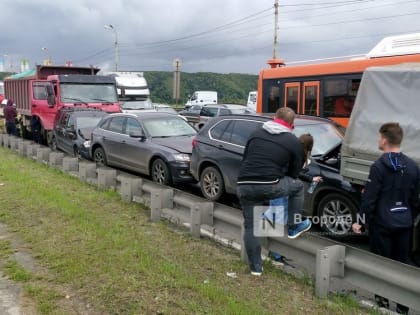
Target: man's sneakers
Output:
{"points": [[256, 270], [296, 230]]}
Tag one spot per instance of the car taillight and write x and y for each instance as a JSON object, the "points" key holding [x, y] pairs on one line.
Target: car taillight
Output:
{"points": [[194, 142]]}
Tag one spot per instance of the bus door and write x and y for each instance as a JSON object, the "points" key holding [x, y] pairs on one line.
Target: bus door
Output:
{"points": [[291, 95], [310, 101]]}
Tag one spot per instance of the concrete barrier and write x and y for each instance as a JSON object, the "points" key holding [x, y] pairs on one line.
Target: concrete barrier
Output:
{"points": [[55, 159]]}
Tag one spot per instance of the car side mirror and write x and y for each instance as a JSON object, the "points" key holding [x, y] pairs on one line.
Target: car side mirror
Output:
{"points": [[50, 95], [137, 134]]}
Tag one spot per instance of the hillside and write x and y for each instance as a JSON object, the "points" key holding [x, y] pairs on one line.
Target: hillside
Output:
{"points": [[231, 88]]}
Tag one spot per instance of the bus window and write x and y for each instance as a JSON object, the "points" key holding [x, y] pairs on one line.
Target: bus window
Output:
{"points": [[291, 96], [273, 99], [311, 98], [339, 97]]}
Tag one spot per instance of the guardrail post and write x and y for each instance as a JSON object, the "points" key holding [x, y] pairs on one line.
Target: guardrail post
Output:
{"points": [[70, 164], [107, 178], [159, 199], [329, 263], [31, 151], [42, 154], [5, 140], [22, 145], [13, 143], [201, 213], [87, 170], [55, 159], [195, 220], [126, 189]]}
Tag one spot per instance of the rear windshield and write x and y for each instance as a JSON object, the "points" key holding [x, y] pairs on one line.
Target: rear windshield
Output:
{"points": [[209, 111]]}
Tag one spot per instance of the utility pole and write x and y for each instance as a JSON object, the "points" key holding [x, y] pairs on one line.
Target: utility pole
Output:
{"points": [[177, 75], [112, 28], [276, 26]]}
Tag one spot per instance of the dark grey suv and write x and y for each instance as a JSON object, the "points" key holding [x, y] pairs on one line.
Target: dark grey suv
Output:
{"points": [[214, 110], [217, 155], [72, 129], [156, 144]]}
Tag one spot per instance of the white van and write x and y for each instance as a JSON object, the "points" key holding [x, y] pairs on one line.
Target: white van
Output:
{"points": [[201, 98], [252, 100]]}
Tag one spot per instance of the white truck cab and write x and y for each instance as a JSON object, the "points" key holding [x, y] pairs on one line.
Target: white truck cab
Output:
{"points": [[133, 91]]}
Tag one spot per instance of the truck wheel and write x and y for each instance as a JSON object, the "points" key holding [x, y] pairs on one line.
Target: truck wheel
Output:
{"points": [[160, 172], [212, 184], [99, 157], [336, 215]]}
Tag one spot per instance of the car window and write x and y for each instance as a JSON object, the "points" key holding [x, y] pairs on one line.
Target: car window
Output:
{"points": [[132, 125], [168, 127], [63, 119], [224, 111], [116, 124], [217, 131], [104, 124], [70, 122], [242, 129]]}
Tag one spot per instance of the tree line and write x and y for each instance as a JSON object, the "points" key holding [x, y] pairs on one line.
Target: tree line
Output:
{"points": [[231, 87]]}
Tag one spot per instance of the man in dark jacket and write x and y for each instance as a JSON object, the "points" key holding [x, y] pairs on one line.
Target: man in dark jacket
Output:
{"points": [[270, 167], [390, 201], [10, 115]]}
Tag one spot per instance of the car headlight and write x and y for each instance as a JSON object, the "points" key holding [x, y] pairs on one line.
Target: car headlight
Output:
{"points": [[86, 144], [181, 157]]}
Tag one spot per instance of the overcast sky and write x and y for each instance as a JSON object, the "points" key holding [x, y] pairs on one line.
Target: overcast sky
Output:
{"points": [[225, 36]]}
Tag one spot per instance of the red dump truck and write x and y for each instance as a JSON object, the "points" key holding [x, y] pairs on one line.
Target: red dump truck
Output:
{"points": [[41, 92]]}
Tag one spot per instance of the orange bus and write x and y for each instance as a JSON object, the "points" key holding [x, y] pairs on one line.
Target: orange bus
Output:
{"points": [[324, 90]]}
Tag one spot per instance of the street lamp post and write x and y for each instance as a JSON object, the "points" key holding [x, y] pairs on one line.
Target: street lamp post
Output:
{"points": [[112, 28]]}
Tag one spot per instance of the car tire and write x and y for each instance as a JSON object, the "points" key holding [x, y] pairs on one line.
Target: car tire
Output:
{"points": [[336, 215], [76, 152], [99, 157], [212, 184], [160, 172]]}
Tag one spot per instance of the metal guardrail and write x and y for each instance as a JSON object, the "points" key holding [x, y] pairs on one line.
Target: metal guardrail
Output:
{"points": [[334, 265]]}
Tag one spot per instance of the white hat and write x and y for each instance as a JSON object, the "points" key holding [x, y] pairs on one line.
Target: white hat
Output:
{"points": [[4, 102]]}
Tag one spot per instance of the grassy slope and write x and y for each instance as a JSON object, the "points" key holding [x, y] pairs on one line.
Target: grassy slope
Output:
{"points": [[119, 262]]}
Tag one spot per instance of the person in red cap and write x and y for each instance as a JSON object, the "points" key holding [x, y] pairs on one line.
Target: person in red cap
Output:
{"points": [[10, 115]]}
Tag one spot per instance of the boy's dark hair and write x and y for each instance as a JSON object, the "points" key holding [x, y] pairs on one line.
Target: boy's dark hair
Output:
{"points": [[392, 132]]}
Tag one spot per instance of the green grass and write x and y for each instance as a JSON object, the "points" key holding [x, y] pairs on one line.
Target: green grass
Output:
{"points": [[113, 258]]}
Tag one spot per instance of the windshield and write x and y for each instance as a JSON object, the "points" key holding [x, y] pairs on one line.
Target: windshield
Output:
{"points": [[1, 89], [88, 122], [146, 104], [88, 93], [168, 127], [326, 136]]}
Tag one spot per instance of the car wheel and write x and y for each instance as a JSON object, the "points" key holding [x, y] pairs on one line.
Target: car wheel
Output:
{"points": [[336, 215], [211, 183], [53, 144], [76, 152], [160, 172], [99, 157]]}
